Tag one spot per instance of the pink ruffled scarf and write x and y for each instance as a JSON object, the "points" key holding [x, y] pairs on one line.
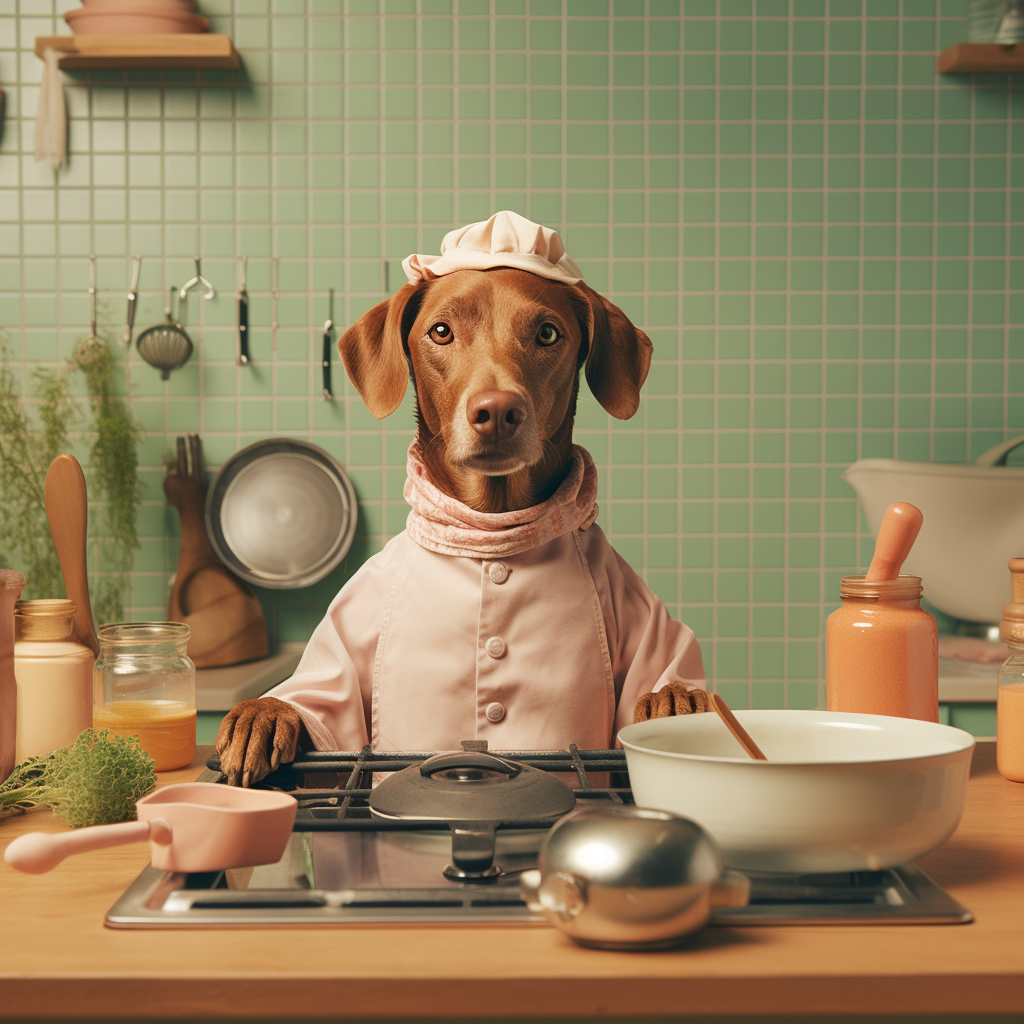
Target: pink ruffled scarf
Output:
{"points": [[441, 523]]}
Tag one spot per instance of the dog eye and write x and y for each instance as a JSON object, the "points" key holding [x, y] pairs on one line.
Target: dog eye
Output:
{"points": [[441, 334], [547, 335]]}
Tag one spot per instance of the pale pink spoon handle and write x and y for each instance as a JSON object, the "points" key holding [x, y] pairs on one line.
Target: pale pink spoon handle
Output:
{"points": [[900, 526], [38, 852]]}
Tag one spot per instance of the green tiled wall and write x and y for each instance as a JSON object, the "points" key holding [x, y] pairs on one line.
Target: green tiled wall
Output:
{"points": [[822, 236]]}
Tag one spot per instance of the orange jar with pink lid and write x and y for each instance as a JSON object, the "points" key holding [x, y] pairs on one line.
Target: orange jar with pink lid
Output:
{"points": [[1010, 695], [882, 650], [881, 646]]}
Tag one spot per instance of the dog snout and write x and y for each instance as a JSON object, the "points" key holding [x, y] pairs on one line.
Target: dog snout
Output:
{"points": [[496, 415]]}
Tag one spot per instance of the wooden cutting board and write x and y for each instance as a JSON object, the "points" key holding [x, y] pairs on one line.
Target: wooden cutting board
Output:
{"points": [[222, 612]]}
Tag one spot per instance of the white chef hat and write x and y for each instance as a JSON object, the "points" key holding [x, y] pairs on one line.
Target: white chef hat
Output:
{"points": [[505, 240]]}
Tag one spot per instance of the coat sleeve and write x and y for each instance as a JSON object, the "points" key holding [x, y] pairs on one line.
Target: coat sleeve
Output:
{"points": [[332, 686], [647, 647]]}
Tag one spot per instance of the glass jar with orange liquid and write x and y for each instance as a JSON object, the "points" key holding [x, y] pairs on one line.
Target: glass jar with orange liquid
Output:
{"points": [[145, 685], [1010, 695]]}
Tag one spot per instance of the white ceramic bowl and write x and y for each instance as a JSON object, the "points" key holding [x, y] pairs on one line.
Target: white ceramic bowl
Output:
{"points": [[839, 792]]}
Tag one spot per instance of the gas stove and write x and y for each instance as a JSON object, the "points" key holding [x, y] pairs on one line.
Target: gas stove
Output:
{"points": [[346, 864]]}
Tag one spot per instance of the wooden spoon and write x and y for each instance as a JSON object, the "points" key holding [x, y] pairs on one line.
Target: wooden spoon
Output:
{"points": [[900, 526], [733, 725], [68, 513]]}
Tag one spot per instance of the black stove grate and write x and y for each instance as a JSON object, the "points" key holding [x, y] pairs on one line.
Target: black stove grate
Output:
{"points": [[345, 807]]}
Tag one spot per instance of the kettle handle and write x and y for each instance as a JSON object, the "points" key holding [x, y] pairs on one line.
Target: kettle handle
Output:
{"points": [[997, 456], [731, 890]]}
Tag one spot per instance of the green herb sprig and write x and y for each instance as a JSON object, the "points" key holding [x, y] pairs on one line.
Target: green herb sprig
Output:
{"points": [[93, 781]]}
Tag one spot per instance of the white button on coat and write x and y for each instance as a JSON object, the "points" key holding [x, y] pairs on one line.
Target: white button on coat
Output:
{"points": [[495, 646], [498, 572], [494, 711]]}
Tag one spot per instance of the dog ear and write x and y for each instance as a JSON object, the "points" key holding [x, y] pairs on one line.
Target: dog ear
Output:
{"points": [[373, 350], [618, 357]]}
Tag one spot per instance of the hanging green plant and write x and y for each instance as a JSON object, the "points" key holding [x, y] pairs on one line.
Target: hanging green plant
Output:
{"points": [[26, 451], [28, 447], [114, 462]]}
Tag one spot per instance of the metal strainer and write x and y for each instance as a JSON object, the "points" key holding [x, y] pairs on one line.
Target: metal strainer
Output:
{"points": [[165, 346]]}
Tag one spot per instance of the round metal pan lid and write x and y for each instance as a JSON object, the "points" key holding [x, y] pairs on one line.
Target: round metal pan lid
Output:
{"points": [[281, 513]]}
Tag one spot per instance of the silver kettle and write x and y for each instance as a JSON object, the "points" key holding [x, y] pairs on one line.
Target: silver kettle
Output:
{"points": [[620, 877]]}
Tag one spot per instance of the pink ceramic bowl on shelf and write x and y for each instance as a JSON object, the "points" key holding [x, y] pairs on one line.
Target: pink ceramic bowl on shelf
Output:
{"points": [[134, 19], [153, 5]]}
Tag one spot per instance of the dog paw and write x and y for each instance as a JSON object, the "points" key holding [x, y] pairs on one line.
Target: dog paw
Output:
{"points": [[255, 738], [672, 699]]}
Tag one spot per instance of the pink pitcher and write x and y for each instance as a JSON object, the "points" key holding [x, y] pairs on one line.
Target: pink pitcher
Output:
{"points": [[11, 585]]}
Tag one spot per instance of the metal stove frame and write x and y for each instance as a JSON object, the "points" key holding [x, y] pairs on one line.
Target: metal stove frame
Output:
{"points": [[156, 899]]}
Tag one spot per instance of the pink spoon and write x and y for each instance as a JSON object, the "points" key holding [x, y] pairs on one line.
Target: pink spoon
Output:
{"points": [[900, 526]]}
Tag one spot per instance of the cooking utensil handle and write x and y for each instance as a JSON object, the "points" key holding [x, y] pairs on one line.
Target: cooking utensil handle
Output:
{"points": [[732, 724], [731, 890], [328, 394], [243, 329], [92, 296], [67, 511], [39, 852], [133, 294], [900, 526]]}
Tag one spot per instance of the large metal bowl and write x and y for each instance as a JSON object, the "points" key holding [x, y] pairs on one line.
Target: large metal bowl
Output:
{"points": [[281, 513], [839, 792]]}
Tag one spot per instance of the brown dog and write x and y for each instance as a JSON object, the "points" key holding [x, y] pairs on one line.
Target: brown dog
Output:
{"points": [[495, 357]]}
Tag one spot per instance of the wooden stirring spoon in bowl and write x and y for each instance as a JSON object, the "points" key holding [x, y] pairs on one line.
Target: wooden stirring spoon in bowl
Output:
{"points": [[67, 511], [732, 723]]}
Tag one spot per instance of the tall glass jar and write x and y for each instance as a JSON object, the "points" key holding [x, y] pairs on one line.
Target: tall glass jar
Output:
{"points": [[1010, 695], [145, 686], [882, 650]]}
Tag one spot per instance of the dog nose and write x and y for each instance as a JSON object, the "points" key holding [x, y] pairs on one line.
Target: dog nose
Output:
{"points": [[495, 414]]}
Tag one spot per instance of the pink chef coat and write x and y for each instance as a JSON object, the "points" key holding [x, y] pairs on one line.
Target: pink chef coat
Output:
{"points": [[525, 629]]}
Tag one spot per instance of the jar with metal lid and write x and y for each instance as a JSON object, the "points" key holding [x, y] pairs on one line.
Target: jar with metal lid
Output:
{"points": [[53, 672], [145, 686], [1010, 693], [882, 650]]}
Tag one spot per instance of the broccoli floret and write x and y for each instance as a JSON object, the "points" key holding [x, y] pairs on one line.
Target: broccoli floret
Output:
{"points": [[93, 781]]}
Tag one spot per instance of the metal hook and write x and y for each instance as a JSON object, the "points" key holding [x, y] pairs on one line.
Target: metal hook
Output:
{"points": [[198, 279]]}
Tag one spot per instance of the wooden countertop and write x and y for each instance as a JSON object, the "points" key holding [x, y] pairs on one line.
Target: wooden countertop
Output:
{"points": [[57, 959]]}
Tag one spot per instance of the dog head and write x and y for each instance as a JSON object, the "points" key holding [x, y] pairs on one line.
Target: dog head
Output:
{"points": [[495, 358]]}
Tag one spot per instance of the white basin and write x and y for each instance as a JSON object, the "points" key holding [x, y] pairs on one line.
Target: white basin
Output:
{"points": [[973, 525], [839, 792]]}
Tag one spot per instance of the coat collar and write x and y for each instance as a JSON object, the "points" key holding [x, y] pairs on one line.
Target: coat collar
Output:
{"points": [[441, 523]]}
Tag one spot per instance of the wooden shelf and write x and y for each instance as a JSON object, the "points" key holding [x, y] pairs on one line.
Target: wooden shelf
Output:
{"points": [[982, 57], [90, 52]]}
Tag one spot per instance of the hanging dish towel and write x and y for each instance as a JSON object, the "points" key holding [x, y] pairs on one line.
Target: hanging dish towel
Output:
{"points": [[51, 118]]}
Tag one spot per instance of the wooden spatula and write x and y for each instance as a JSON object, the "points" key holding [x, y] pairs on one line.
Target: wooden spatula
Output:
{"points": [[68, 513]]}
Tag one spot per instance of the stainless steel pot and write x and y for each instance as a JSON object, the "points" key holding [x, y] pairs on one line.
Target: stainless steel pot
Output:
{"points": [[617, 877], [281, 513]]}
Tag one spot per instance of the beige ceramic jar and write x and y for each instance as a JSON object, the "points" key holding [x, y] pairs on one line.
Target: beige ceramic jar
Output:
{"points": [[54, 678]]}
